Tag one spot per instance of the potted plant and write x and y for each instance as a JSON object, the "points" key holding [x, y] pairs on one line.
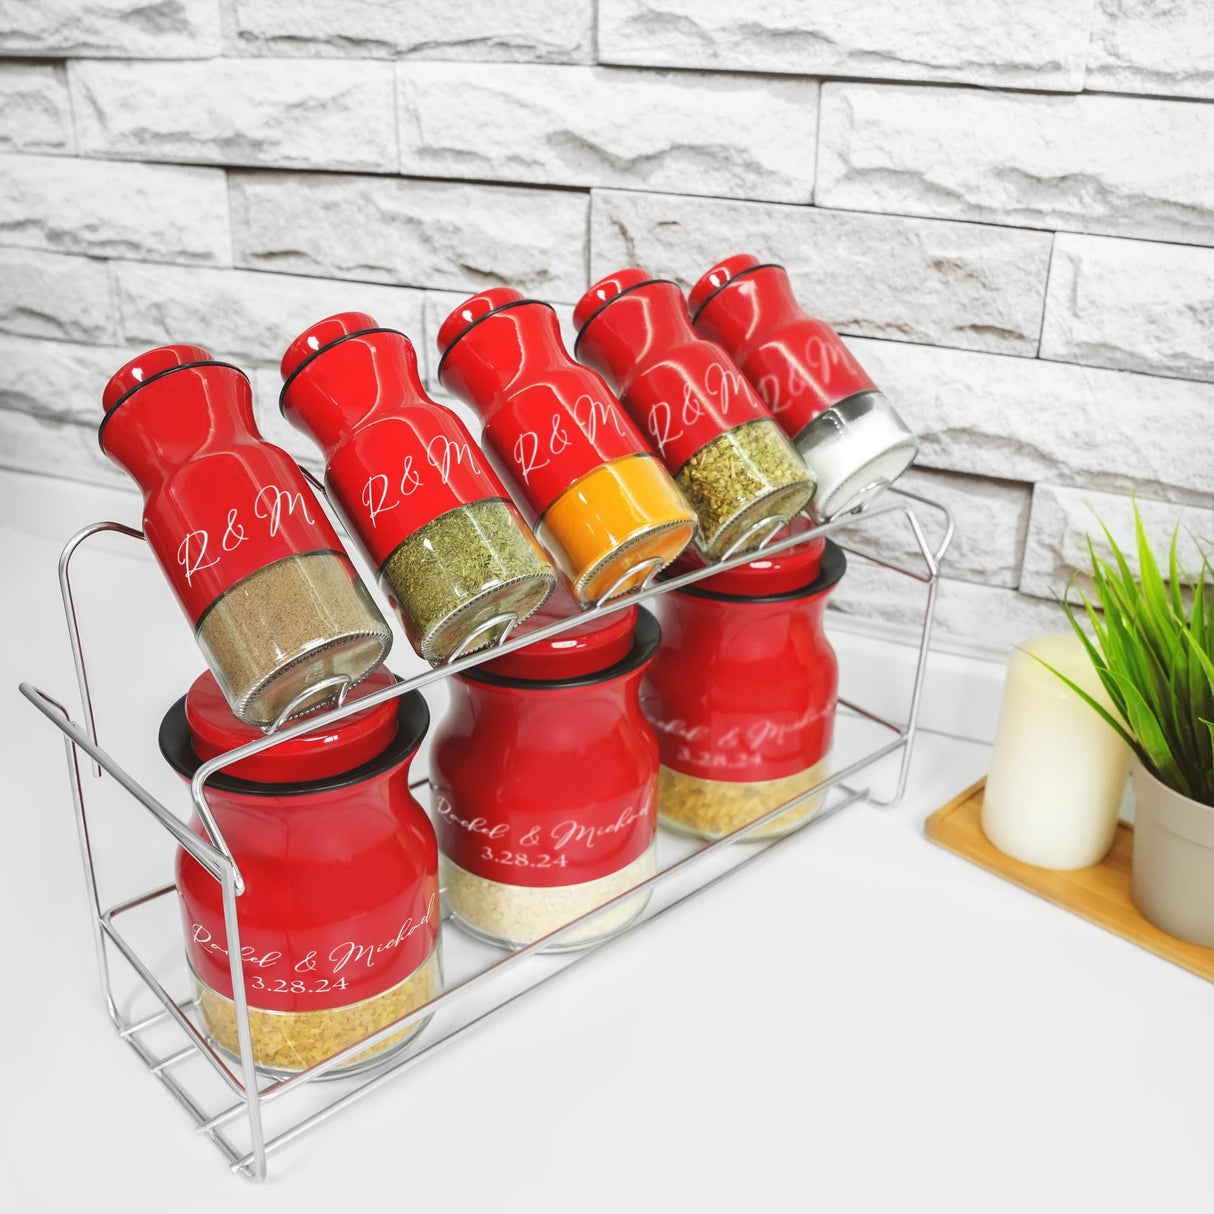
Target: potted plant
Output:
{"points": [[1155, 658]]}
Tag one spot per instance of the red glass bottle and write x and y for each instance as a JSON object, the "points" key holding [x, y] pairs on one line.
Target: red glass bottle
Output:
{"points": [[545, 776], [599, 501], [456, 560], [742, 693], [716, 438], [846, 430], [339, 920], [278, 609]]}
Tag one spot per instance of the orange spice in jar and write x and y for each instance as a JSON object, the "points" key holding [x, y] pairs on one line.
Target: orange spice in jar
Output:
{"points": [[616, 521], [598, 499]]}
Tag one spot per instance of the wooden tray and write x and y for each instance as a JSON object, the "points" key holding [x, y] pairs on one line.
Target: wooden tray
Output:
{"points": [[1100, 894]]}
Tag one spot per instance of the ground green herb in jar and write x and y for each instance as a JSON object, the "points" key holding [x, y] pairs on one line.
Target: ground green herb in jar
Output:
{"points": [[460, 570], [749, 473]]}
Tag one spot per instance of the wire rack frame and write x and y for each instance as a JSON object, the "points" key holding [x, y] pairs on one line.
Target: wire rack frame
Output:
{"points": [[503, 980]]}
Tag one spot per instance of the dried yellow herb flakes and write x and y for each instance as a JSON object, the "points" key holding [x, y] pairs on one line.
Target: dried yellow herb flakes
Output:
{"points": [[712, 808], [518, 914], [291, 1041]]}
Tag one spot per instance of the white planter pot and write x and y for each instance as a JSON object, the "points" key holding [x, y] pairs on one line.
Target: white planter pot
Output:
{"points": [[1173, 869]]}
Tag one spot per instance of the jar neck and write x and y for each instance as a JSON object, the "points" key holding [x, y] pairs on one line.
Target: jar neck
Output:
{"points": [[509, 697], [299, 809], [750, 309], [502, 353], [178, 416], [809, 610], [357, 381], [634, 330]]}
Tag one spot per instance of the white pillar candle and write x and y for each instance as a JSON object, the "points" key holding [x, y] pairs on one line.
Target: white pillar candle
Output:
{"points": [[1058, 771]]}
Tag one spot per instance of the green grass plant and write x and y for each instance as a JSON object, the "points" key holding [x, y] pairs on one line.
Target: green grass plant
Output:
{"points": [[1154, 656]]}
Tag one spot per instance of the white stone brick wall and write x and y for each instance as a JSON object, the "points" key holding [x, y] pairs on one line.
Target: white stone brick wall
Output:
{"points": [[1008, 211]]}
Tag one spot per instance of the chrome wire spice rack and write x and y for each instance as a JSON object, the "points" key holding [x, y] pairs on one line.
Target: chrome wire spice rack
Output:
{"points": [[250, 1115]]}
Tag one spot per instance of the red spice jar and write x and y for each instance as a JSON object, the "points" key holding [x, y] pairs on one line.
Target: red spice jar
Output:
{"points": [[599, 501], [732, 462], [278, 610], [846, 430], [339, 919], [455, 559], [545, 775], [742, 693]]}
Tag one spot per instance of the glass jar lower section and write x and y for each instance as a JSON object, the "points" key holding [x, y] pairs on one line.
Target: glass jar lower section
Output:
{"points": [[708, 809], [857, 448], [291, 625], [740, 478], [286, 1042], [460, 571], [515, 915], [619, 518]]}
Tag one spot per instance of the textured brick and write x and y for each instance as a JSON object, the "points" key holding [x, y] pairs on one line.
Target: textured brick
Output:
{"points": [[267, 384], [969, 616], [34, 111], [144, 211], [531, 31], [1114, 165], [243, 316], [1063, 518], [1131, 304], [57, 380], [417, 233], [52, 448], [955, 284], [990, 516], [48, 295], [1153, 46], [1027, 420], [978, 42], [51, 391], [682, 132], [324, 114], [147, 29]]}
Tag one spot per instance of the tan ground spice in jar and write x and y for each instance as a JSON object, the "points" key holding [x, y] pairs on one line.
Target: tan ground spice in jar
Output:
{"points": [[520, 914], [709, 809], [288, 626], [462, 569], [291, 1041], [747, 474]]}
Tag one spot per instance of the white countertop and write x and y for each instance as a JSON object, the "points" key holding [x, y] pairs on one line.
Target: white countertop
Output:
{"points": [[858, 1022]]}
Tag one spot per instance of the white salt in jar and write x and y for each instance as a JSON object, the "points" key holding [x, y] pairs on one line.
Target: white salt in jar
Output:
{"points": [[845, 429]]}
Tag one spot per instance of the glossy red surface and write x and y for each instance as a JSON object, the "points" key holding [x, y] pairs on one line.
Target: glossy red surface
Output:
{"points": [[323, 333], [219, 501], [799, 365], [341, 889], [744, 690], [778, 573], [548, 420], [547, 785], [680, 389], [583, 649], [147, 365], [394, 459], [313, 756]]}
